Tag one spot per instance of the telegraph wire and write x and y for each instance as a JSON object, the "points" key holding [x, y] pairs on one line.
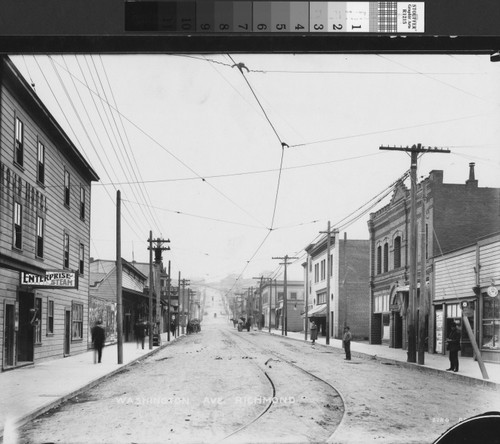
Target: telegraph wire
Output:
{"points": [[178, 159], [439, 81], [113, 140], [182, 213], [133, 163], [242, 66], [69, 124], [390, 130]]}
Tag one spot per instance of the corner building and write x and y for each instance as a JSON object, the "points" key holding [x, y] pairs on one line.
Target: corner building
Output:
{"points": [[44, 227], [449, 217]]}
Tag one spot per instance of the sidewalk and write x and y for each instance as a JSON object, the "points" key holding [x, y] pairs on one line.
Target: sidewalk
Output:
{"points": [[469, 370], [30, 391]]}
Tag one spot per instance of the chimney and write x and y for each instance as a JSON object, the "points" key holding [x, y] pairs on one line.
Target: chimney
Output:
{"points": [[472, 180]]}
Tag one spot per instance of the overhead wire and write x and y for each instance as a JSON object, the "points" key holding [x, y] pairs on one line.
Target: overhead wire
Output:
{"points": [[67, 120], [109, 128], [177, 158], [130, 161]]}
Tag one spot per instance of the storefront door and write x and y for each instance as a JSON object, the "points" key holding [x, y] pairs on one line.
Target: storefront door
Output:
{"points": [[25, 334], [67, 332], [10, 336]]}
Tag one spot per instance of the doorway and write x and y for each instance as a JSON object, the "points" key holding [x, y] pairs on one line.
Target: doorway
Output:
{"points": [[25, 334], [67, 332], [9, 335]]}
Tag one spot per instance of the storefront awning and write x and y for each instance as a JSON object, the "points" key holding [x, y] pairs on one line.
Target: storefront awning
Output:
{"points": [[317, 312]]}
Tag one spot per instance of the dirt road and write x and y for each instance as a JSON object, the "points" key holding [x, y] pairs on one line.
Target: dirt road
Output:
{"points": [[222, 385]]}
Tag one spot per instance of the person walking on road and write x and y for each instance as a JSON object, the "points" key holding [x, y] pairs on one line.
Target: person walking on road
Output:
{"points": [[346, 341], [314, 332], [98, 339], [453, 345]]}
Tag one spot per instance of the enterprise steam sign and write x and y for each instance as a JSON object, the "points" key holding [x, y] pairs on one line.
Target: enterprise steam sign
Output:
{"points": [[52, 279]]}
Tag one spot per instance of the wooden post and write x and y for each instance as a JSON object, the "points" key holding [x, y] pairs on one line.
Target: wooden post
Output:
{"points": [[475, 347], [119, 300]]}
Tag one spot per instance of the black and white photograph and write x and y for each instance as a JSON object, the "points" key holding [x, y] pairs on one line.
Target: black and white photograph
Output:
{"points": [[249, 221]]}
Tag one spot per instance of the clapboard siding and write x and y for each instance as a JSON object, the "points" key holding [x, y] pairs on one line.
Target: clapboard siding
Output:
{"points": [[454, 274], [490, 263], [45, 200]]}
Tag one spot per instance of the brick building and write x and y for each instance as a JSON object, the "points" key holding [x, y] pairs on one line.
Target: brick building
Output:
{"points": [[349, 279], [45, 186], [449, 216]]}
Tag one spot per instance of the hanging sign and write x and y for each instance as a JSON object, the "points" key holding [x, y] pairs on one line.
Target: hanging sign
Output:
{"points": [[51, 279]]}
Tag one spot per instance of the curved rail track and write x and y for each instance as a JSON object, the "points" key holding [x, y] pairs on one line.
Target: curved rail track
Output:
{"points": [[321, 388]]}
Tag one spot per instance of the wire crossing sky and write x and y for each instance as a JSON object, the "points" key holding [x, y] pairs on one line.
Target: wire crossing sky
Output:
{"points": [[239, 158]]}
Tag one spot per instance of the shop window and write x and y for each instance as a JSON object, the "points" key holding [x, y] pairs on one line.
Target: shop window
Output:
{"points": [[50, 317], [37, 320], [491, 323], [77, 321]]}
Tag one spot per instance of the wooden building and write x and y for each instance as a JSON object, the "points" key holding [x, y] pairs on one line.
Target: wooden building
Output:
{"points": [[466, 283], [45, 186]]}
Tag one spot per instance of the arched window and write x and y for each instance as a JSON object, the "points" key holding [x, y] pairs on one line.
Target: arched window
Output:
{"points": [[397, 252], [386, 257], [379, 259]]}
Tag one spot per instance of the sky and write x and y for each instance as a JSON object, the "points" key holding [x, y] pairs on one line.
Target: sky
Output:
{"points": [[239, 159]]}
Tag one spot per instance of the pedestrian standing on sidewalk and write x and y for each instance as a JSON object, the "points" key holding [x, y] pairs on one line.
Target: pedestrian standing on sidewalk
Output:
{"points": [[453, 345], [140, 333], [98, 338], [346, 341], [314, 332]]}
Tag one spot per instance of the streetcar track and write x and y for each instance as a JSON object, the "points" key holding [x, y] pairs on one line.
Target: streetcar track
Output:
{"points": [[293, 364], [243, 427]]}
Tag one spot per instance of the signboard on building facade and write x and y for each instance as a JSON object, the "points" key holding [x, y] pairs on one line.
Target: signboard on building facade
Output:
{"points": [[439, 331], [51, 279]]}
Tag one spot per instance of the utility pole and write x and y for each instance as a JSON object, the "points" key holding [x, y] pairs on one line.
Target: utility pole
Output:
{"points": [[306, 323], [158, 248], [284, 328], [169, 312], [328, 232], [119, 299], [414, 151], [185, 283], [260, 301], [422, 306], [181, 307], [270, 302], [150, 311]]}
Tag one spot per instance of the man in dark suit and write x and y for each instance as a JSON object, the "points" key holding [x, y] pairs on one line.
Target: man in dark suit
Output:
{"points": [[98, 339], [453, 342]]}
